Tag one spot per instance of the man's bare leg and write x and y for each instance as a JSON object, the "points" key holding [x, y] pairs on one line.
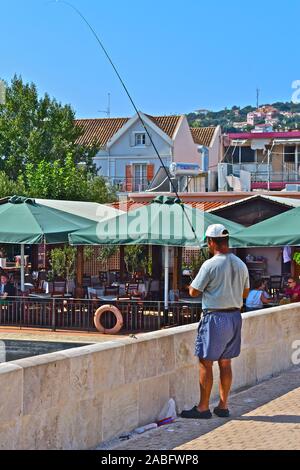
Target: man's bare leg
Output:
{"points": [[206, 383], [225, 382]]}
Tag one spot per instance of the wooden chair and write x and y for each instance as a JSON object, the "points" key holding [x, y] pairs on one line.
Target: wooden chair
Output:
{"points": [[95, 281], [112, 290], [86, 281], [42, 276], [131, 289], [103, 277], [275, 284], [153, 290], [57, 288]]}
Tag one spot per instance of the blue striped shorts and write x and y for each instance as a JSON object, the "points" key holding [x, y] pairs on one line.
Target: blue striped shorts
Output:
{"points": [[219, 336]]}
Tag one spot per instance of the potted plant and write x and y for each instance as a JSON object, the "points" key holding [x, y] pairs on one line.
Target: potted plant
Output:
{"points": [[62, 261], [134, 258], [107, 251]]}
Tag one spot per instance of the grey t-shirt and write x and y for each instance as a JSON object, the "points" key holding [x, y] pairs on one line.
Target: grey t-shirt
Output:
{"points": [[222, 280]]}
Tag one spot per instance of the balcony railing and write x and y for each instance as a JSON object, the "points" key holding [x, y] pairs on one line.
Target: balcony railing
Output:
{"points": [[78, 314], [275, 177], [133, 185], [260, 173]]}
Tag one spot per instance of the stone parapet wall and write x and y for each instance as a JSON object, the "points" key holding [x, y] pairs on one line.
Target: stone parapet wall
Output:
{"points": [[77, 398]]}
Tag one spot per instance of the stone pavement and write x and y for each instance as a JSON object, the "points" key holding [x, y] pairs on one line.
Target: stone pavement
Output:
{"points": [[72, 336], [264, 417]]}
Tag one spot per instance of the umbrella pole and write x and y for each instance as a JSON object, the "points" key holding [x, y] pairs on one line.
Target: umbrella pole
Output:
{"points": [[22, 267], [166, 277]]}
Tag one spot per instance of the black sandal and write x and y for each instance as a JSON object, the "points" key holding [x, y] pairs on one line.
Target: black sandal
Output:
{"points": [[194, 413], [221, 413]]}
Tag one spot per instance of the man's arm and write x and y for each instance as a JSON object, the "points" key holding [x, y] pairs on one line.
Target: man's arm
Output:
{"points": [[246, 284], [200, 283], [194, 292], [265, 300], [295, 297], [246, 293]]}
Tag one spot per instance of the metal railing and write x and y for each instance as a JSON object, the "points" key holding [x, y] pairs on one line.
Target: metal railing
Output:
{"points": [[123, 184], [275, 177], [260, 173], [78, 314]]}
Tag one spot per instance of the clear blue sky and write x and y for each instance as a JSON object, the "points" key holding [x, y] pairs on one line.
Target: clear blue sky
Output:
{"points": [[175, 56]]}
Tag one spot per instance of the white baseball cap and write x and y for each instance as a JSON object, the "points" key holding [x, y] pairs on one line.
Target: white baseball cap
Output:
{"points": [[217, 231]]}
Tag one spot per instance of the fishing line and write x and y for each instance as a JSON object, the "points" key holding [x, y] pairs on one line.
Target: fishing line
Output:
{"points": [[78, 12]]}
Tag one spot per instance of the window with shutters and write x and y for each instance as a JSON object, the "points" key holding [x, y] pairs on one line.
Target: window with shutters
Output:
{"points": [[140, 182], [140, 139]]}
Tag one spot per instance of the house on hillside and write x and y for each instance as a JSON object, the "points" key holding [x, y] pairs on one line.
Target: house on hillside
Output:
{"points": [[127, 158]]}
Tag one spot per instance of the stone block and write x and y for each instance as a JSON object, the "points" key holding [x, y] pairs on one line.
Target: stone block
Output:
{"points": [[244, 369], [79, 424], [141, 359], [120, 410], [11, 392], [10, 431], [184, 349], [154, 393], [46, 382], [184, 387], [81, 377], [108, 368], [39, 431], [165, 355]]}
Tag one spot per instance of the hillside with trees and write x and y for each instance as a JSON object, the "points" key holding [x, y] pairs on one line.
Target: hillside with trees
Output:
{"points": [[235, 118]]}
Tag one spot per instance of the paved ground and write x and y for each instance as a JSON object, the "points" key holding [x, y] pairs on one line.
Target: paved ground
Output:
{"points": [[35, 334], [264, 417]]}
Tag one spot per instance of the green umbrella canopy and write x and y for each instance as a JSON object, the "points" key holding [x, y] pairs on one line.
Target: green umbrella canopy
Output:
{"points": [[281, 230], [163, 222], [23, 221]]}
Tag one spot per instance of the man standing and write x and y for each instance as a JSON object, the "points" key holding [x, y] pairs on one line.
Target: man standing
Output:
{"points": [[223, 281]]}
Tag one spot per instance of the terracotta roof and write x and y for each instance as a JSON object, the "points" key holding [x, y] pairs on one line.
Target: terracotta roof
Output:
{"points": [[132, 205], [167, 124], [99, 131], [203, 135]]}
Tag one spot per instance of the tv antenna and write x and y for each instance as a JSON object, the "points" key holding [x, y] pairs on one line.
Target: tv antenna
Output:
{"points": [[257, 97], [107, 110]]}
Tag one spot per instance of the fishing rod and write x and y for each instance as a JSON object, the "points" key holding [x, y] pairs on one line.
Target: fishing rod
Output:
{"points": [[78, 12]]}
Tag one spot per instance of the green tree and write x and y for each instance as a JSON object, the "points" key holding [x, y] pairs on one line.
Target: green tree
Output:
{"points": [[34, 129], [9, 187], [65, 180], [135, 258]]}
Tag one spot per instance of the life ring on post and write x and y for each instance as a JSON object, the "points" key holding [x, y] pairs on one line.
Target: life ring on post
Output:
{"points": [[118, 315]]}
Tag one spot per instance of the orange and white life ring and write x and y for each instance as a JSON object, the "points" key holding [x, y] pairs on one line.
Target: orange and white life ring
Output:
{"points": [[116, 312]]}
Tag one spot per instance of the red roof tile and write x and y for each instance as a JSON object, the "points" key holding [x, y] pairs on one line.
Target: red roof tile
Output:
{"points": [[132, 205], [203, 135], [100, 131], [167, 124]]}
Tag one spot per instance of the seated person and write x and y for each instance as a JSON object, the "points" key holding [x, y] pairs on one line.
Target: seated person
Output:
{"points": [[293, 290], [257, 297], [6, 288]]}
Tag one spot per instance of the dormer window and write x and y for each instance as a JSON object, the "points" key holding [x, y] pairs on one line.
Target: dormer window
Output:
{"points": [[140, 139]]}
